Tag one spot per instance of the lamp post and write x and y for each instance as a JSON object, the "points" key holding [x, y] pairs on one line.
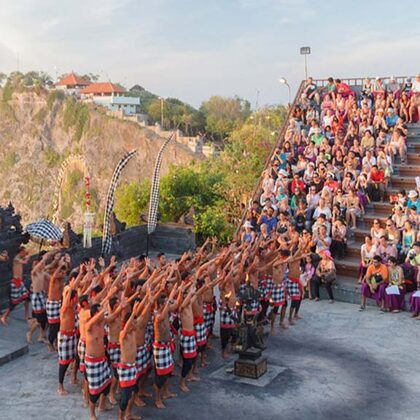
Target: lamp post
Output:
{"points": [[283, 81], [161, 112], [305, 51]]}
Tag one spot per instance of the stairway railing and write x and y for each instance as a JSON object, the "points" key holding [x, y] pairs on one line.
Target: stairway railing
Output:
{"points": [[256, 192]]}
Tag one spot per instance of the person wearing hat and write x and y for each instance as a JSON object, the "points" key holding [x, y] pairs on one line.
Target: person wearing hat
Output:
{"points": [[393, 87], [378, 87], [248, 236], [379, 122], [391, 117], [413, 200]]}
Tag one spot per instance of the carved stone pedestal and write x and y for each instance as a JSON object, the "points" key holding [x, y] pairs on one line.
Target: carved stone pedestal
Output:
{"points": [[250, 364]]}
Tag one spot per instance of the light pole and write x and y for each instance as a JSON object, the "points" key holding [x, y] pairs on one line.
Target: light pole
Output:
{"points": [[305, 51], [283, 81], [161, 112]]}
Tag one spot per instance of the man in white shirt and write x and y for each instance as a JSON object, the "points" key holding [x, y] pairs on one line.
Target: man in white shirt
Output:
{"points": [[322, 209]]}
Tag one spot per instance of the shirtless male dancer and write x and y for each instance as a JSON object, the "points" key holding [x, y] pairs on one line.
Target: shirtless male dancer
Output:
{"points": [[67, 339], [55, 292], [294, 287], [127, 367], [187, 338], [278, 293], [114, 321], [143, 347], [18, 291], [162, 346], [39, 274], [98, 372]]}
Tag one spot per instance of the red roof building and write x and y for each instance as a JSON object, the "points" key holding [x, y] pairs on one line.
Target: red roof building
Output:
{"points": [[102, 89], [72, 81]]}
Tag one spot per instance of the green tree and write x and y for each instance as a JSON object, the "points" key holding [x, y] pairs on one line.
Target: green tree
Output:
{"points": [[223, 115], [132, 201]]}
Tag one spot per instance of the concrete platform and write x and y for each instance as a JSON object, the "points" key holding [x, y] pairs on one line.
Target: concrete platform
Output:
{"points": [[13, 345], [335, 363]]}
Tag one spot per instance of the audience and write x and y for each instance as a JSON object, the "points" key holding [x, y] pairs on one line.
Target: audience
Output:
{"points": [[338, 155]]}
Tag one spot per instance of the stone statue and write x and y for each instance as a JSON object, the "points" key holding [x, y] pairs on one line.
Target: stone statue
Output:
{"points": [[250, 332]]}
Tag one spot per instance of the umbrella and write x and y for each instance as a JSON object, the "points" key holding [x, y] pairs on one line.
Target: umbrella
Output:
{"points": [[44, 231]]}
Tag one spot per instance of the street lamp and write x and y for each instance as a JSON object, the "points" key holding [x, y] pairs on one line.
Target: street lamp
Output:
{"points": [[305, 51], [283, 81]]}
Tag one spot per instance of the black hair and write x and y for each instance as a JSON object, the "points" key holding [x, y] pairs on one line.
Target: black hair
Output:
{"points": [[161, 254], [377, 258], [97, 289], [73, 294], [161, 300], [94, 309], [142, 257], [184, 275], [83, 299], [113, 301], [284, 252], [392, 259]]}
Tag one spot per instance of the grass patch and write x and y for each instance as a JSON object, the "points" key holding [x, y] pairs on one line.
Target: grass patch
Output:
{"points": [[10, 160]]}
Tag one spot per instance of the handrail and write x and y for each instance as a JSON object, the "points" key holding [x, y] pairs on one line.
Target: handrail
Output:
{"points": [[358, 81], [278, 143]]}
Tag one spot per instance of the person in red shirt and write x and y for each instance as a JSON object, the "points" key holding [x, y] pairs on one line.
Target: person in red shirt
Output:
{"points": [[297, 183], [376, 184], [343, 88]]}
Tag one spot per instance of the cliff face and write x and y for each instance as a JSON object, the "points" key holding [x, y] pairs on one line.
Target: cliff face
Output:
{"points": [[40, 130]]}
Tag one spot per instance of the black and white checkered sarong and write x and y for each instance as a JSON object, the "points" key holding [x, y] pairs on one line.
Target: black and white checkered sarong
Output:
{"points": [[67, 344], [293, 290], [143, 359], [162, 355], [200, 332], [98, 374], [227, 318], [209, 315], [38, 302], [18, 291], [53, 311], [188, 344], [127, 374], [114, 353], [81, 351], [278, 296]]}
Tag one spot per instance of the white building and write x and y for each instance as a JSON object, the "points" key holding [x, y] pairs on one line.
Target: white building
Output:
{"points": [[112, 97]]}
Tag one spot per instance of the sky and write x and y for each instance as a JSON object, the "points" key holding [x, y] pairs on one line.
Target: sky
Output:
{"points": [[192, 49]]}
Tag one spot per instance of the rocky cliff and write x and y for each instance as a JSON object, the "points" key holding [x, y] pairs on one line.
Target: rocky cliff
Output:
{"points": [[40, 130]]}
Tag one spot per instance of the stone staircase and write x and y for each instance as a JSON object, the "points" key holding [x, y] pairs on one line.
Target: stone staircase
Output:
{"points": [[404, 175]]}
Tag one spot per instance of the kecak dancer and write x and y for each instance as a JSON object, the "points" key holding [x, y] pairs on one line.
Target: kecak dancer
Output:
{"points": [[98, 372], [163, 345], [67, 340], [18, 292], [39, 278], [53, 306], [127, 367], [294, 287]]}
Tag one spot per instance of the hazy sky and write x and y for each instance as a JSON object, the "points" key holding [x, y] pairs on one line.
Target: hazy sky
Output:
{"points": [[192, 49]]}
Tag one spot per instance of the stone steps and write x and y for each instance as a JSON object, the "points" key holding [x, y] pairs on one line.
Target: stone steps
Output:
{"points": [[403, 182], [406, 170]]}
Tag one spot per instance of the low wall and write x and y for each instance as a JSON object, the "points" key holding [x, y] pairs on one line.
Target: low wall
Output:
{"points": [[169, 238]]}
